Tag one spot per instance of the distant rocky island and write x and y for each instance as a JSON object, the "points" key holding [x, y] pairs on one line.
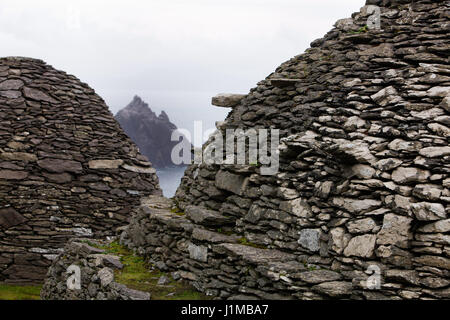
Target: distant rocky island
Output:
{"points": [[151, 133]]}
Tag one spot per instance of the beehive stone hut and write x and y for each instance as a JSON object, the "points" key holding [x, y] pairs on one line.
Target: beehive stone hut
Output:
{"points": [[66, 167], [359, 207]]}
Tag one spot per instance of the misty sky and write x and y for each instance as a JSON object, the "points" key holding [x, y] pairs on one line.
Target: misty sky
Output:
{"points": [[175, 54]]}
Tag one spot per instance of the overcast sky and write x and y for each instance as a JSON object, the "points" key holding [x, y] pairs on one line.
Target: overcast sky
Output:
{"points": [[175, 54]]}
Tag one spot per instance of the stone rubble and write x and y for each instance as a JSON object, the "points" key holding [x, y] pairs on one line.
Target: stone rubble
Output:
{"points": [[96, 271]]}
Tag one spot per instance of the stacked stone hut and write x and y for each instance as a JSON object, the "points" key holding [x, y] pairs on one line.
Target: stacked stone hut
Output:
{"points": [[360, 205], [66, 167]]}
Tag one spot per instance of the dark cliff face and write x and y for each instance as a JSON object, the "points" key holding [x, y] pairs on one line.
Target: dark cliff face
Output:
{"points": [[150, 132]]}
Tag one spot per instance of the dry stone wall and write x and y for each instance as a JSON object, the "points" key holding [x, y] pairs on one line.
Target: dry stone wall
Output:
{"points": [[363, 187], [66, 167]]}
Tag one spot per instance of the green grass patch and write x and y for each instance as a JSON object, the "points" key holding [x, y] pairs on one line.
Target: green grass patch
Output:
{"points": [[139, 275], [15, 292]]}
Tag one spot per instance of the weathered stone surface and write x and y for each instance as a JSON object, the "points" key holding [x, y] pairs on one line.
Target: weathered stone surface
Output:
{"points": [[436, 227], [38, 95], [58, 178], [309, 239], [361, 246], [338, 240], [428, 211], [9, 217], [433, 152], [386, 96], [199, 253], [405, 175], [356, 206], [13, 84], [206, 217], [13, 175], [20, 156], [105, 164], [319, 276], [227, 100], [335, 289], [299, 207], [395, 231], [59, 166], [402, 145], [231, 182], [139, 169], [106, 276], [361, 226]]}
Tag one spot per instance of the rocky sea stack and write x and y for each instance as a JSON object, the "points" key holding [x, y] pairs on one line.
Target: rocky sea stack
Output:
{"points": [[150, 132], [66, 167]]}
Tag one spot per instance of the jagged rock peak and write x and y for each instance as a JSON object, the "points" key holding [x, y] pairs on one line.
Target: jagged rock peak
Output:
{"points": [[151, 133], [137, 106]]}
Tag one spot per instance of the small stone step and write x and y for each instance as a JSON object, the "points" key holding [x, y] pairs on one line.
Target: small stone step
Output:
{"points": [[207, 217], [157, 202]]}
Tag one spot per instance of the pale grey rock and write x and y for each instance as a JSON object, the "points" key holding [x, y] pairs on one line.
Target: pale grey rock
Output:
{"points": [[206, 217], [338, 240], [319, 276], [13, 84], [231, 182], [138, 169], [363, 171], [387, 95], [365, 225], [436, 227], [199, 253], [299, 207], [388, 164], [105, 164], [227, 100], [433, 152], [402, 145], [106, 276], [310, 239], [355, 205], [361, 246], [334, 289], [428, 191], [428, 211], [396, 230], [405, 175]]}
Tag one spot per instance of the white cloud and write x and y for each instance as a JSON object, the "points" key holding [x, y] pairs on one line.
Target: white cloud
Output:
{"points": [[175, 53]]}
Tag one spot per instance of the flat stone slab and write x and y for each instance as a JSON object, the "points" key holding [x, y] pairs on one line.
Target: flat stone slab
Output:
{"points": [[227, 100], [283, 82], [256, 255], [231, 182], [206, 217], [157, 202], [214, 237]]}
